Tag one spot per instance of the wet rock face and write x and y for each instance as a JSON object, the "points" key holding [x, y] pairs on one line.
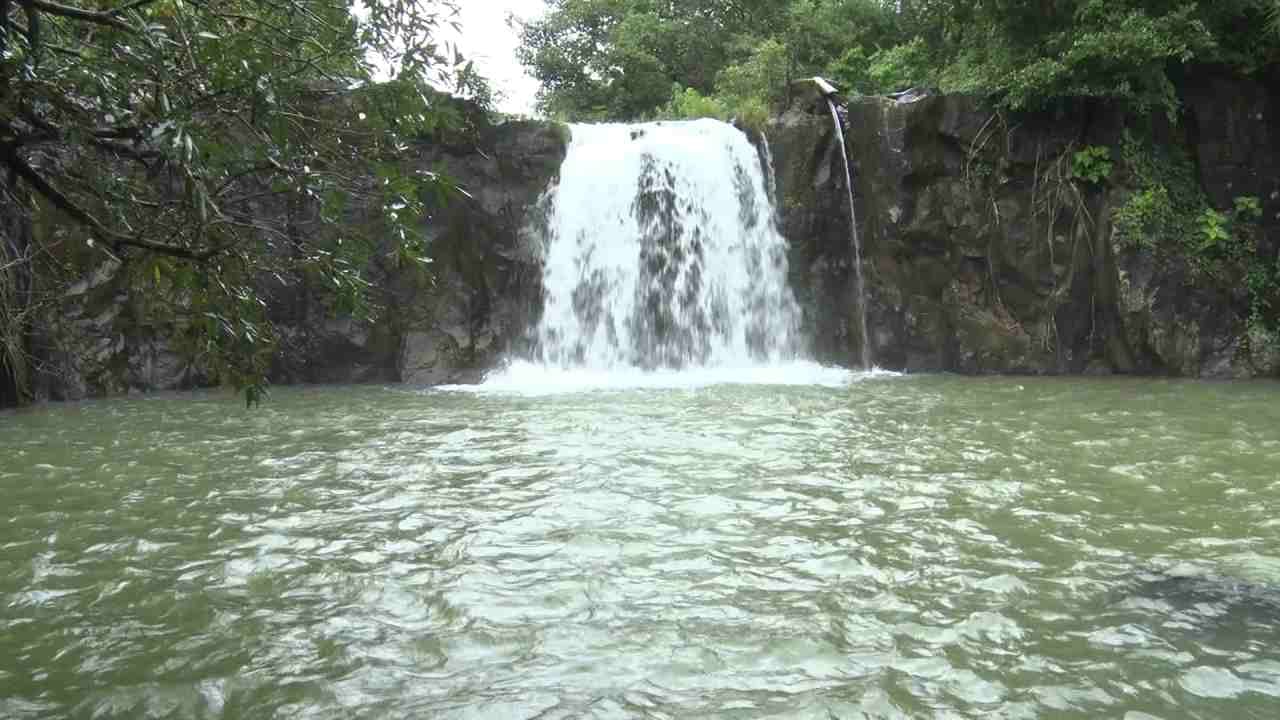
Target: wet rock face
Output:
{"points": [[1234, 128], [486, 254], [811, 201], [94, 341], [983, 255]]}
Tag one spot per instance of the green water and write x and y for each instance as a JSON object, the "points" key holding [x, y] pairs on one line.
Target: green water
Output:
{"points": [[902, 547]]}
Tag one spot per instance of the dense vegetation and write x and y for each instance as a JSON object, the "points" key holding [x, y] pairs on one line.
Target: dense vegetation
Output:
{"points": [[626, 59], [151, 134]]}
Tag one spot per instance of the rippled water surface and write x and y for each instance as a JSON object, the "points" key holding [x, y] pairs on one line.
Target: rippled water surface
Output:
{"points": [[893, 547]]}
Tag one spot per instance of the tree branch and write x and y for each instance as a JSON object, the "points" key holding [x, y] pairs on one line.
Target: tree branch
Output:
{"points": [[53, 194], [9, 156], [48, 132], [109, 18], [264, 166]]}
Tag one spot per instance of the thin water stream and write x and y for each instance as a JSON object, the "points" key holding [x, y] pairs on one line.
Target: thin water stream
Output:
{"points": [[865, 338], [839, 547]]}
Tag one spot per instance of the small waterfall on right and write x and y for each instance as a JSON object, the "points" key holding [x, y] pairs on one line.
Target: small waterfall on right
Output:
{"points": [[857, 243]]}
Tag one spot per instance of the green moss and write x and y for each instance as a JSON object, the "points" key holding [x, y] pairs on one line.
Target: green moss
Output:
{"points": [[1166, 201], [1169, 213]]}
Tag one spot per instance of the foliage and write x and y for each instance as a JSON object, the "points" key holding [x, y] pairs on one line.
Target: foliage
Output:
{"points": [[1117, 50], [745, 91], [1092, 164], [758, 81], [689, 104], [617, 58], [1248, 208], [1147, 214], [1167, 203], [1169, 213], [470, 84], [851, 71], [188, 137], [885, 70], [829, 38], [1232, 237], [900, 67]]}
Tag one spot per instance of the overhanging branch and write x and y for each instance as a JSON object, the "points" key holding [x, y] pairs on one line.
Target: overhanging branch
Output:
{"points": [[109, 18], [59, 199]]}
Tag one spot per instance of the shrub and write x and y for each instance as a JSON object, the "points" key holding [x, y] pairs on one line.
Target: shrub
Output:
{"points": [[1092, 164]]}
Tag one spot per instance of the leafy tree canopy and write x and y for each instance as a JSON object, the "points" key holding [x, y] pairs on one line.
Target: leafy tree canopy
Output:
{"points": [[162, 128], [620, 59]]}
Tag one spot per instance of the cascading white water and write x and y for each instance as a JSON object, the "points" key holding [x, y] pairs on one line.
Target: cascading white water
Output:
{"points": [[857, 243], [770, 175], [664, 268], [663, 253]]}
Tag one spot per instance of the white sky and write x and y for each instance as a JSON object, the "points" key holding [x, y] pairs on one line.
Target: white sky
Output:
{"points": [[488, 41]]}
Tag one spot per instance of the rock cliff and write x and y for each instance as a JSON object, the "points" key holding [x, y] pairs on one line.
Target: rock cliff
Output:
{"points": [[985, 251]]}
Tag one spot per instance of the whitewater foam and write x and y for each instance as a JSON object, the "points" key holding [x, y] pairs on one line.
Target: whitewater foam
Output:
{"points": [[538, 379]]}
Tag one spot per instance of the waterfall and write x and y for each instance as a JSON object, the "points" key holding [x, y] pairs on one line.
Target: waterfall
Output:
{"points": [[663, 253], [857, 244], [770, 174]]}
